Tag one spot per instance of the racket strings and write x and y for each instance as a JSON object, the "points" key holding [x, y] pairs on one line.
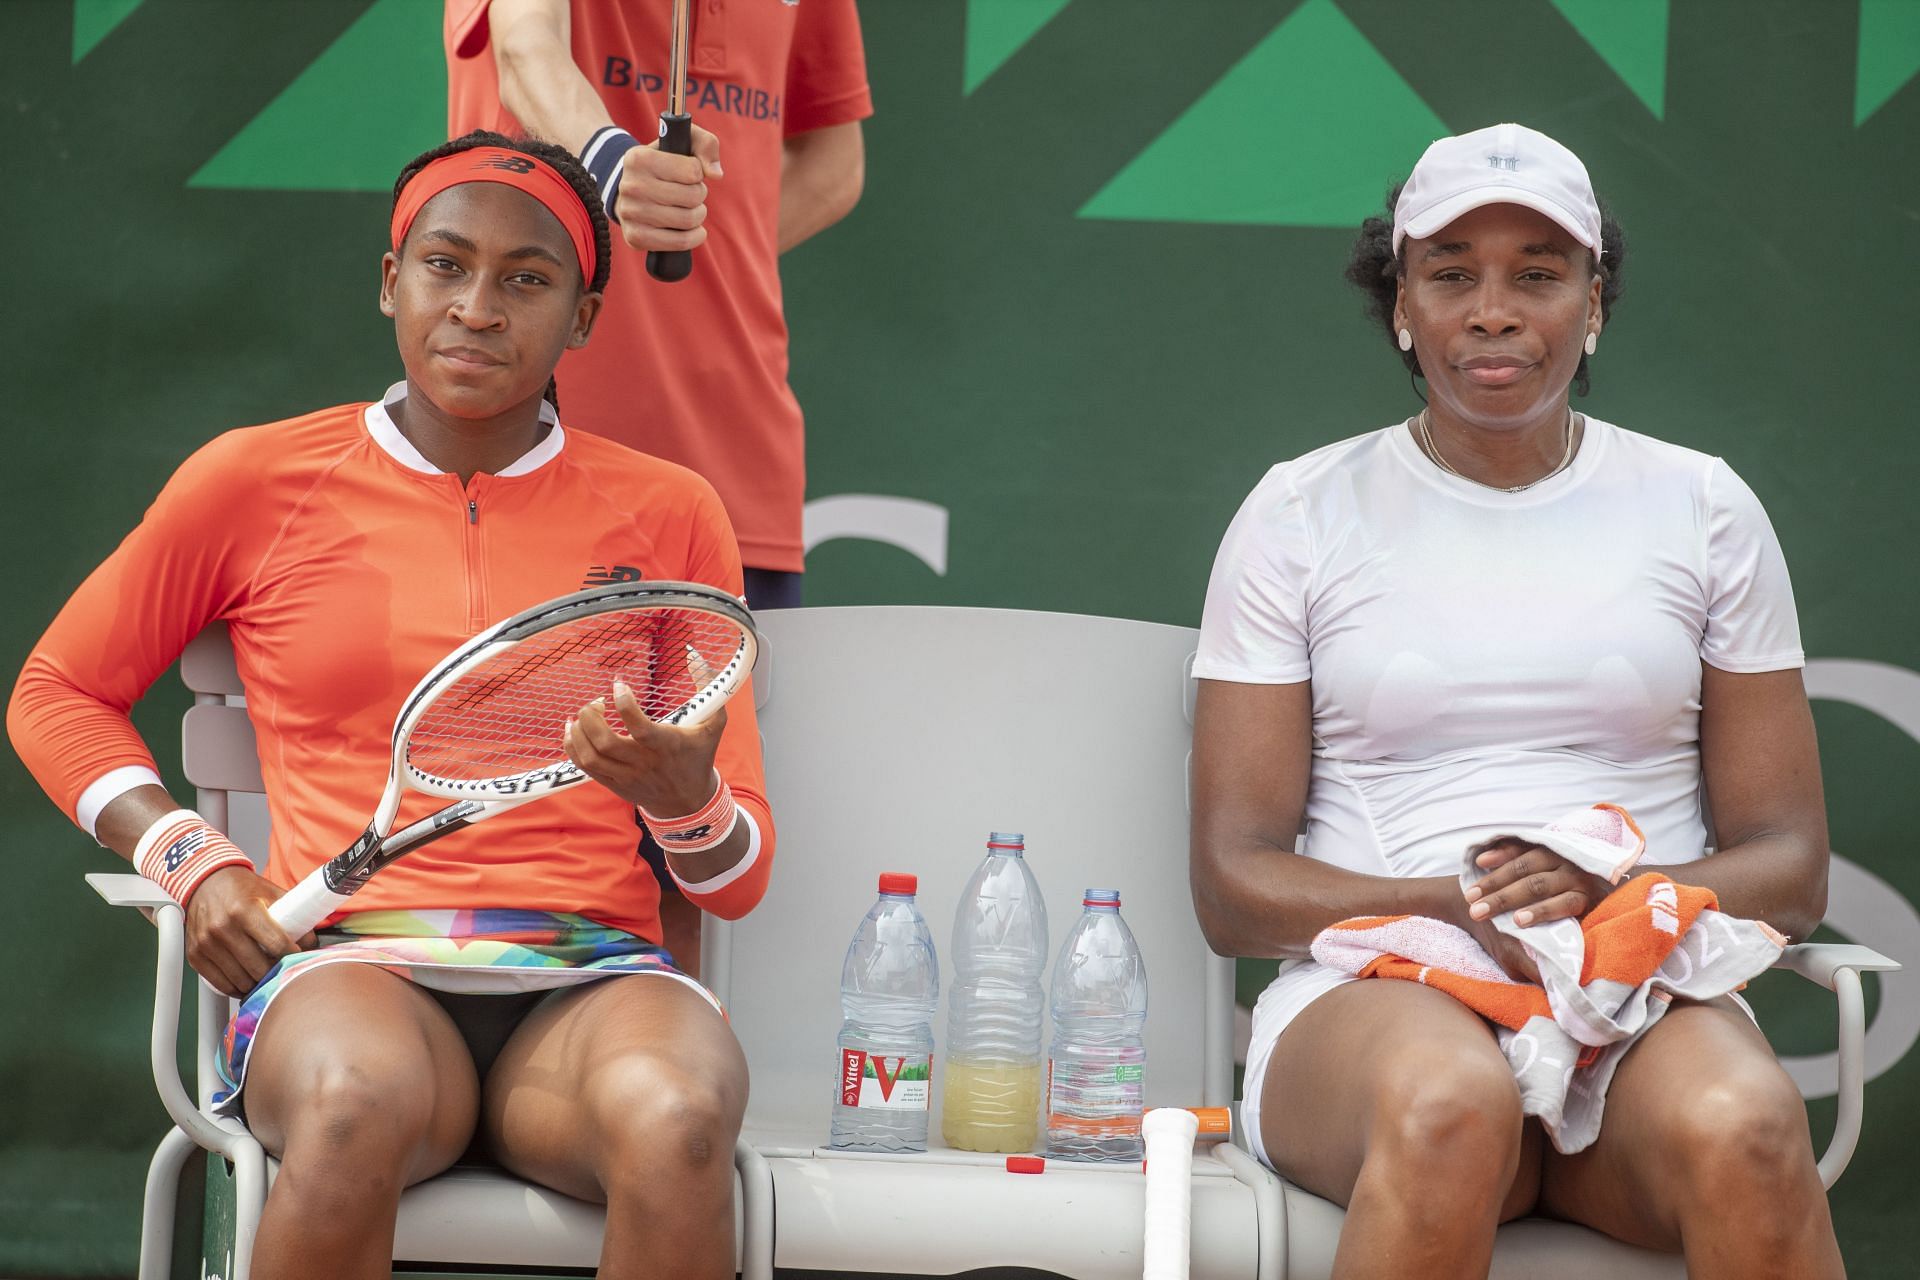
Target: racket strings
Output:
{"points": [[506, 715]]}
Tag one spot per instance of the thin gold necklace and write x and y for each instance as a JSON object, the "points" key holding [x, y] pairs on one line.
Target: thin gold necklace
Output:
{"points": [[1424, 430]]}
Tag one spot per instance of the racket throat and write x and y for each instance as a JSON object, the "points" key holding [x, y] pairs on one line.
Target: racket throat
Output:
{"points": [[449, 819], [350, 870]]}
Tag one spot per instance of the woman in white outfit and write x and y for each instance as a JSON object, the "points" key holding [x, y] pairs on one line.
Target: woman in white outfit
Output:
{"points": [[1470, 622]]}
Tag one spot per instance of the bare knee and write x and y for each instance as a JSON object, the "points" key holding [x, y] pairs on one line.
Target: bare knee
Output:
{"points": [[1444, 1146], [1455, 1129], [656, 1116], [1742, 1138], [351, 1113]]}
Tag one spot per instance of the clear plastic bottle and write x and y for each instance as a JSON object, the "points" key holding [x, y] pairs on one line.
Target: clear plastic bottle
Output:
{"points": [[1096, 1065], [889, 990], [991, 1098]]}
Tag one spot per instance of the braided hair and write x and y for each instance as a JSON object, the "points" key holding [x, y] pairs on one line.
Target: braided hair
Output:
{"points": [[566, 166], [1375, 270]]}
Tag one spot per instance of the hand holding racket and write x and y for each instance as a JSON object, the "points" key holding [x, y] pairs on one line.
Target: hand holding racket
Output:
{"points": [[486, 727], [665, 769], [676, 138]]}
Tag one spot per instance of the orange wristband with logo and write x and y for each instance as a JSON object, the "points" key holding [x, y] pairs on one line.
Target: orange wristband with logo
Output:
{"points": [[705, 828], [181, 850]]}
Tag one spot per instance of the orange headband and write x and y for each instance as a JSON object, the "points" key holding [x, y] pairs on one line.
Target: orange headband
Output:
{"points": [[516, 169]]}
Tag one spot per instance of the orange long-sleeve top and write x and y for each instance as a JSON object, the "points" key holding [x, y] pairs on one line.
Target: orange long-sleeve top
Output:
{"points": [[346, 565]]}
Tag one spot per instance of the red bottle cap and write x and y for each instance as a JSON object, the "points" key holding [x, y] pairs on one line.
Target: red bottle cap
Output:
{"points": [[899, 882], [1026, 1164]]}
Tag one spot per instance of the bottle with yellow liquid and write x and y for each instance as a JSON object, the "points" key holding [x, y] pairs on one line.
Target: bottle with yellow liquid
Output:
{"points": [[991, 1098], [991, 1106]]}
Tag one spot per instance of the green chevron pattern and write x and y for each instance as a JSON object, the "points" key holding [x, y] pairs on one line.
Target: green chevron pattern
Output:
{"points": [[93, 20], [1631, 37], [375, 97], [996, 30], [1307, 130], [1889, 53]]}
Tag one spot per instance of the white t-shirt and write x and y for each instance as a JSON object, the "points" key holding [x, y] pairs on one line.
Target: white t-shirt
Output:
{"points": [[1484, 660]]}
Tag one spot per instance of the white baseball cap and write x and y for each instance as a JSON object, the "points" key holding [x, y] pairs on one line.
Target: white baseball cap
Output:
{"points": [[1503, 164]]}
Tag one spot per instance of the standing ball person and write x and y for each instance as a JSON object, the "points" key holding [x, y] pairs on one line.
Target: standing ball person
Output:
{"points": [[1473, 621], [694, 371], [347, 551]]}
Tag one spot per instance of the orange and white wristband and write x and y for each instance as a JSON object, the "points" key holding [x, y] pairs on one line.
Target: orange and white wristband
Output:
{"points": [[705, 828], [181, 850]]}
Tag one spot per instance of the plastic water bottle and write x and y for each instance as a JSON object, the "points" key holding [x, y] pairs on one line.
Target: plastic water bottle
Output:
{"points": [[889, 989], [1096, 1065], [992, 1074]]}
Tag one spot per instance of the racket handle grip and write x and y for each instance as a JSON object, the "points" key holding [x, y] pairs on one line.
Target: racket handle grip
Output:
{"points": [[1169, 1134], [305, 905], [676, 138]]}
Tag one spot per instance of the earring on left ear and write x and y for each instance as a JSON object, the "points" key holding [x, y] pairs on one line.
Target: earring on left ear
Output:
{"points": [[1593, 343]]}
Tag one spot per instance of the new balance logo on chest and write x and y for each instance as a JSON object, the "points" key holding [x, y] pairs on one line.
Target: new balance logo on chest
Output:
{"points": [[606, 575]]}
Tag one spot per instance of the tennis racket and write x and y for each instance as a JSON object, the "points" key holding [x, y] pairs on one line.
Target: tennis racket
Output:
{"points": [[484, 727], [1166, 1250]]}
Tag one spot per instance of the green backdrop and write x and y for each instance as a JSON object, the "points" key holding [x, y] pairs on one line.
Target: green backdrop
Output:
{"points": [[1092, 292]]}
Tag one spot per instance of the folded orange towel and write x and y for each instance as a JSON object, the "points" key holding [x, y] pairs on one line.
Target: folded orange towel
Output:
{"points": [[1628, 936], [1603, 980]]}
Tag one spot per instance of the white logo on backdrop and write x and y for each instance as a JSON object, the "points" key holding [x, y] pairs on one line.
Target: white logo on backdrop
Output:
{"points": [[1861, 905], [916, 527]]}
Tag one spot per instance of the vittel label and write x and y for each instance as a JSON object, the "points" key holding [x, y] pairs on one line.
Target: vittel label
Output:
{"points": [[872, 1080]]}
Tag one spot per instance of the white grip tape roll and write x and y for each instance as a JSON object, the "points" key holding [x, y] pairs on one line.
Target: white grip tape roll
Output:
{"points": [[305, 905], [1169, 1133]]}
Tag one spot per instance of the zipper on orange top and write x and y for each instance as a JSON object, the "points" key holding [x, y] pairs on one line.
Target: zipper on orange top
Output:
{"points": [[473, 556]]}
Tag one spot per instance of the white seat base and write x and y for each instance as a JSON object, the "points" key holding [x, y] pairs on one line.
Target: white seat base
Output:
{"points": [[1523, 1250], [480, 1216], [842, 1210]]}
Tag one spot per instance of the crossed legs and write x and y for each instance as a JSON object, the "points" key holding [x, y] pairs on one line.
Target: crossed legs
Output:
{"points": [[1394, 1100]]}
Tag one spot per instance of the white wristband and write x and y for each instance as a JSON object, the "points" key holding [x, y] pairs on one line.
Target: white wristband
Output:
{"points": [[181, 850]]}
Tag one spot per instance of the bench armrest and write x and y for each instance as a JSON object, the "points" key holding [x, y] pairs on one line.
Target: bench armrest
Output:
{"points": [[1822, 962], [1837, 967], [126, 889]]}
